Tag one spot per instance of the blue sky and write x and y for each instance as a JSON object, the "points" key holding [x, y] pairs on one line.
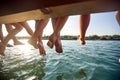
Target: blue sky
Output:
{"points": [[100, 24]]}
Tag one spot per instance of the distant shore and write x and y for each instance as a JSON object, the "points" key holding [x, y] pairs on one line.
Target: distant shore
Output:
{"points": [[70, 37]]}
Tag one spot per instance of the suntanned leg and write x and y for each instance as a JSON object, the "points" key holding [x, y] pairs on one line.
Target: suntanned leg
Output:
{"points": [[117, 13], [58, 24], [33, 39], [84, 23], [40, 27], [15, 40], [1, 33], [40, 46], [53, 37], [1, 36], [58, 44], [36, 23], [2, 47], [18, 28], [37, 36], [27, 27]]}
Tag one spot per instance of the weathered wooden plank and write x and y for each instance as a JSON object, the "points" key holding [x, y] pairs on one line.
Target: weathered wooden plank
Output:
{"points": [[16, 6], [76, 8]]}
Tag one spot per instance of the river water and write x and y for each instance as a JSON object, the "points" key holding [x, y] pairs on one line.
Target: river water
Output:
{"points": [[97, 60]]}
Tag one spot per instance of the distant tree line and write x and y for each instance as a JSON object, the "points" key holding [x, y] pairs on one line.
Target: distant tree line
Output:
{"points": [[66, 37], [104, 37], [69, 37], [93, 37]]}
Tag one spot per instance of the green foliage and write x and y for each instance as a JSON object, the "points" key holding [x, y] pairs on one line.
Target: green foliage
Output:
{"points": [[104, 37], [70, 37]]}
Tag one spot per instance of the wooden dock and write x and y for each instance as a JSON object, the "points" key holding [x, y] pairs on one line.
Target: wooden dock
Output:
{"points": [[12, 11]]}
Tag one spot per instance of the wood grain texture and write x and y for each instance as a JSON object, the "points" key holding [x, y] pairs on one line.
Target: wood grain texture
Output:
{"points": [[67, 8]]}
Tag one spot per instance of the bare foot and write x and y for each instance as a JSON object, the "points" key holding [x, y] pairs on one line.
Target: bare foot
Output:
{"points": [[41, 49], [2, 49], [33, 42], [58, 45], [51, 41], [82, 41], [18, 43]]}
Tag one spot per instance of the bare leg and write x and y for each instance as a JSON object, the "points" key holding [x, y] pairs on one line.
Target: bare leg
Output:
{"points": [[37, 36], [15, 40], [84, 22], [1, 33], [18, 28], [118, 16], [40, 27], [2, 47], [36, 23], [1, 36], [33, 39], [40, 46], [27, 27], [58, 24], [58, 44]]}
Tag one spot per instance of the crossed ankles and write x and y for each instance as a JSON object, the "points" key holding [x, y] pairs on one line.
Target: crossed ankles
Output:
{"points": [[51, 41], [55, 40]]}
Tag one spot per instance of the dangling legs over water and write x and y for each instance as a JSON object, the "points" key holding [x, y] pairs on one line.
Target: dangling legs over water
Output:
{"points": [[36, 39], [15, 40], [40, 43], [54, 38], [27, 27], [84, 23], [3, 44]]}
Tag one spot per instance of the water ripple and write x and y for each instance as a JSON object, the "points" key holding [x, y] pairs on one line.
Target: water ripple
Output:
{"points": [[97, 60]]}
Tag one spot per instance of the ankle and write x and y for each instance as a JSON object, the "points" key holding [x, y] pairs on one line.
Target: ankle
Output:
{"points": [[82, 41]]}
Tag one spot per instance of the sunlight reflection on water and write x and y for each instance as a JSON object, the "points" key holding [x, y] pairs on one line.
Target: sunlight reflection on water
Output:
{"points": [[89, 62]]}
